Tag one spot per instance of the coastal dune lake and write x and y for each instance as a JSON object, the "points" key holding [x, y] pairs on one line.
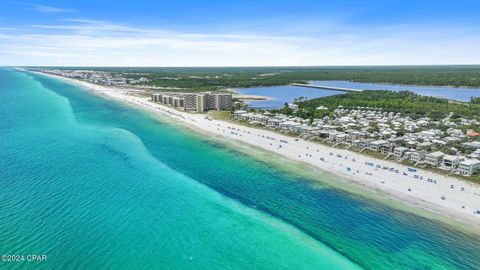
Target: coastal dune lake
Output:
{"points": [[96, 184], [281, 94]]}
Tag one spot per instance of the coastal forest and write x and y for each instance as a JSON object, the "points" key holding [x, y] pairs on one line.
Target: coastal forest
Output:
{"points": [[405, 102], [214, 78]]}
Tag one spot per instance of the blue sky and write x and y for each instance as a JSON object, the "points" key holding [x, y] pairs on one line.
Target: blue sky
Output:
{"points": [[239, 33]]}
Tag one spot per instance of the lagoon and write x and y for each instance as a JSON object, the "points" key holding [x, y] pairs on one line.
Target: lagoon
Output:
{"points": [[281, 94]]}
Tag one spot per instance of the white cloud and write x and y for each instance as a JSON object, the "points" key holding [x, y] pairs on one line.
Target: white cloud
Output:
{"points": [[50, 9], [90, 43]]}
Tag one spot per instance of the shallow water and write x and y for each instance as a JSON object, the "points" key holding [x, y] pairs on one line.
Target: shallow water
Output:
{"points": [[96, 184]]}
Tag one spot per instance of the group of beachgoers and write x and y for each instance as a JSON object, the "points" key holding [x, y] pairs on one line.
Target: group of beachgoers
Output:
{"points": [[349, 163], [382, 173]]}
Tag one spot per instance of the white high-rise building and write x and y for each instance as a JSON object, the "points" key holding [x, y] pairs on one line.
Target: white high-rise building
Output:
{"points": [[208, 101], [157, 97], [219, 101]]}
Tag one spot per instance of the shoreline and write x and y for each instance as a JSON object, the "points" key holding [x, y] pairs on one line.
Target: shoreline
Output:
{"points": [[250, 97], [349, 166], [246, 97], [414, 85]]}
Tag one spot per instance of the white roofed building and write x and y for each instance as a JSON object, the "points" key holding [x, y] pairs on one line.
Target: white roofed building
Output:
{"points": [[469, 167], [451, 162], [399, 151], [434, 158]]}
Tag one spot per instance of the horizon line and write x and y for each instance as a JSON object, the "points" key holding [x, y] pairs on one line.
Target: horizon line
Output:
{"points": [[257, 66]]}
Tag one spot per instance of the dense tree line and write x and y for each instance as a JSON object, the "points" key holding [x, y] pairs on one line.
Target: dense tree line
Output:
{"points": [[407, 103], [220, 77], [475, 100], [424, 75]]}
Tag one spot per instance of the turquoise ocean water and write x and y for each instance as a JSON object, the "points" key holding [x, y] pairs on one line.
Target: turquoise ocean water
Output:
{"points": [[94, 184]]}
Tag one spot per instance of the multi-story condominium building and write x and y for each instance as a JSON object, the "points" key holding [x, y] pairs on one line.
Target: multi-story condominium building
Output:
{"points": [[469, 167], [434, 158], [166, 99], [190, 102], [178, 102], [196, 102], [219, 101], [208, 101], [202, 102], [211, 101], [175, 101], [157, 97]]}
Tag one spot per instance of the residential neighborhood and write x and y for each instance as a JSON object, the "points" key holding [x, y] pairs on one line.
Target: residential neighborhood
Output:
{"points": [[419, 142], [98, 77]]}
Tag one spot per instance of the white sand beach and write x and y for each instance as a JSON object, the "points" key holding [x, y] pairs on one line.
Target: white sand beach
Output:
{"points": [[250, 97], [446, 195]]}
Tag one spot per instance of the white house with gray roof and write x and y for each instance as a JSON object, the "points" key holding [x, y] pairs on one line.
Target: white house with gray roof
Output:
{"points": [[468, 167]]}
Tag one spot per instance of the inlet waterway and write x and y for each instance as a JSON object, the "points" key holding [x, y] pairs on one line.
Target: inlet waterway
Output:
{"points": [[279, 95]]}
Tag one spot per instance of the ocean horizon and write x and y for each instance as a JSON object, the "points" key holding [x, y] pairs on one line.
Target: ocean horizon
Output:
{"points": [[94, 183]]}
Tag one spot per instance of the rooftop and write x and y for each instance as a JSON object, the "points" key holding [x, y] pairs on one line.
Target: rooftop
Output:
{"points": [[436, 154], [470, 162]]}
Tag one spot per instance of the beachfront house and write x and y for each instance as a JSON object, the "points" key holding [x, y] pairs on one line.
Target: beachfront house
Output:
{"points": [[451, 162], [260, 118], [469, 167], [377, 145], [238, 113], [332, 134], [324, 133], [417, 156], [399, 151], [387, 148], [363, 143], [341, 137], [251, 117], [274, 122], [289, 126], [434, 158], [407, 155], [356, 135]]}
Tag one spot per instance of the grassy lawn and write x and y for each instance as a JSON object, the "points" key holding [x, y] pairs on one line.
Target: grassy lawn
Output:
{"points": [[221, 115]]}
